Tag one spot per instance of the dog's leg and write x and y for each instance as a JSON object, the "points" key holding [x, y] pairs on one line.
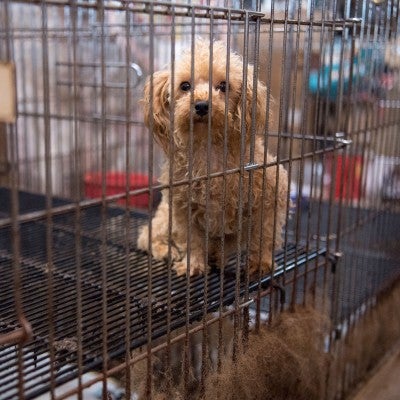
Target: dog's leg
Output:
{"points": [[159, 234], [195, 261], [274, 215], [221, 251], [195, 264], [260, 253]]}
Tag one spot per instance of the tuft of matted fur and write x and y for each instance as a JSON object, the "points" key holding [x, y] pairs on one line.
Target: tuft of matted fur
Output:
{"points": [[285, 361], [233, 129]]}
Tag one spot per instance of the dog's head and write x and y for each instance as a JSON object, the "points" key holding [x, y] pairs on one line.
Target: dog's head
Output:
{"points": [[201, 96]]}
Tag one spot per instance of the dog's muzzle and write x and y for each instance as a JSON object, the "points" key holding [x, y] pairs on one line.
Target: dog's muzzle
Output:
{"points": [[201, 108]]}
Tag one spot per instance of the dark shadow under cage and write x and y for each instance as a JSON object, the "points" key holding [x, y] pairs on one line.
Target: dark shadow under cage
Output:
{"points": [[80, 304]]}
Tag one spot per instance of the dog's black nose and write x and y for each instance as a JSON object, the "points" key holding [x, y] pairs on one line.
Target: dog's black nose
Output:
{"points": [[201, 108]]}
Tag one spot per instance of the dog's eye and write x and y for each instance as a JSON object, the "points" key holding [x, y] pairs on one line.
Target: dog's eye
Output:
{"points": [[185, 86], [222, 86]]}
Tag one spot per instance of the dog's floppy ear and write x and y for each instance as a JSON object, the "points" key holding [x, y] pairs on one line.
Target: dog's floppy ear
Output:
{"points": [[255, 99], [156, 107]]}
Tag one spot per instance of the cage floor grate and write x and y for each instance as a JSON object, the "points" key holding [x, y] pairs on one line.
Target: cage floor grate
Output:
{"points": [[103, 306]]}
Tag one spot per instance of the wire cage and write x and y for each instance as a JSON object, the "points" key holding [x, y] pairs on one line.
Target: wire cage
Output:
{"points": [[83, 310]]}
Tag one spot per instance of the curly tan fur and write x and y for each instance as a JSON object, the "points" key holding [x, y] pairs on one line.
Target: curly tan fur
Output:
{"points": [[266, 204]]}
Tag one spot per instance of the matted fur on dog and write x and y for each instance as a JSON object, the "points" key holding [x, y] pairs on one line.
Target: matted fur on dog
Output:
{"points": [[220, 207]]}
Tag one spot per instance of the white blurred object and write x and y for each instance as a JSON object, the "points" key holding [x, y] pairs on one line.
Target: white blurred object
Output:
{"points": [[379, 169], [392, 53]]}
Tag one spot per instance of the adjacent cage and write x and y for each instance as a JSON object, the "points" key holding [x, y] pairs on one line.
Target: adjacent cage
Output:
{"points": [[303, 90]]}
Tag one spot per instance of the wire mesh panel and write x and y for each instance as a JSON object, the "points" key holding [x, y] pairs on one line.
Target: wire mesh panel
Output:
{"points": [[177, 176]]}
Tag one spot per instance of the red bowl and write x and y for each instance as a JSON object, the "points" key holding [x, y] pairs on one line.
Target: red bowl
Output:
{"points": [[116, 184]]}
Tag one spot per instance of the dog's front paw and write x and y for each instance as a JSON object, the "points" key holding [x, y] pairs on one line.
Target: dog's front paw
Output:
{"points": [[195, 267], [263, 269], [143, 238], [159, 246], [162, 251]]}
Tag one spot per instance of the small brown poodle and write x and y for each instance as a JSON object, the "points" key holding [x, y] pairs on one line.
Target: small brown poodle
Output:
{"points": [[219, 129]]}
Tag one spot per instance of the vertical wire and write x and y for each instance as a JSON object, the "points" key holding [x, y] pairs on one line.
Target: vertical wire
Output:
{"points": [[282, 122], [281, 127], [223, 202], [375, 15], [394, 122], [313, 162], [321, 199], [170, 198], [189, 210], [23, 106], [204, 366], [70, 65], [96, 93], [366, 133], [148, 392], [352, 259], [336, 199], [382, 113], [377, 115], [49, 189], [291, 140], [329, 200], [265, 160], [104, 159], [355, 131], [341, 217], [127, 216], [95, 139], [243, 132], [360, 143], [300, 177], [349, 180], [36, 126], [331, 205], [58, 145], [389, 144], [391, 121], [383, 25], [270, 294], [78, 174], [322, 158], [305, 95], [376, 219], [355, 282], [343, 205], [375, 120], [253, 135], [304, 128]]}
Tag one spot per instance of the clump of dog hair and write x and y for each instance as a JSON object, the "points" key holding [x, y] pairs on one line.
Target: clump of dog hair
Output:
{"points": [[282, 361]]}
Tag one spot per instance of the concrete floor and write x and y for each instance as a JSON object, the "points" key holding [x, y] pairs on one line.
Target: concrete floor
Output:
{"points": [[384, 384]]}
